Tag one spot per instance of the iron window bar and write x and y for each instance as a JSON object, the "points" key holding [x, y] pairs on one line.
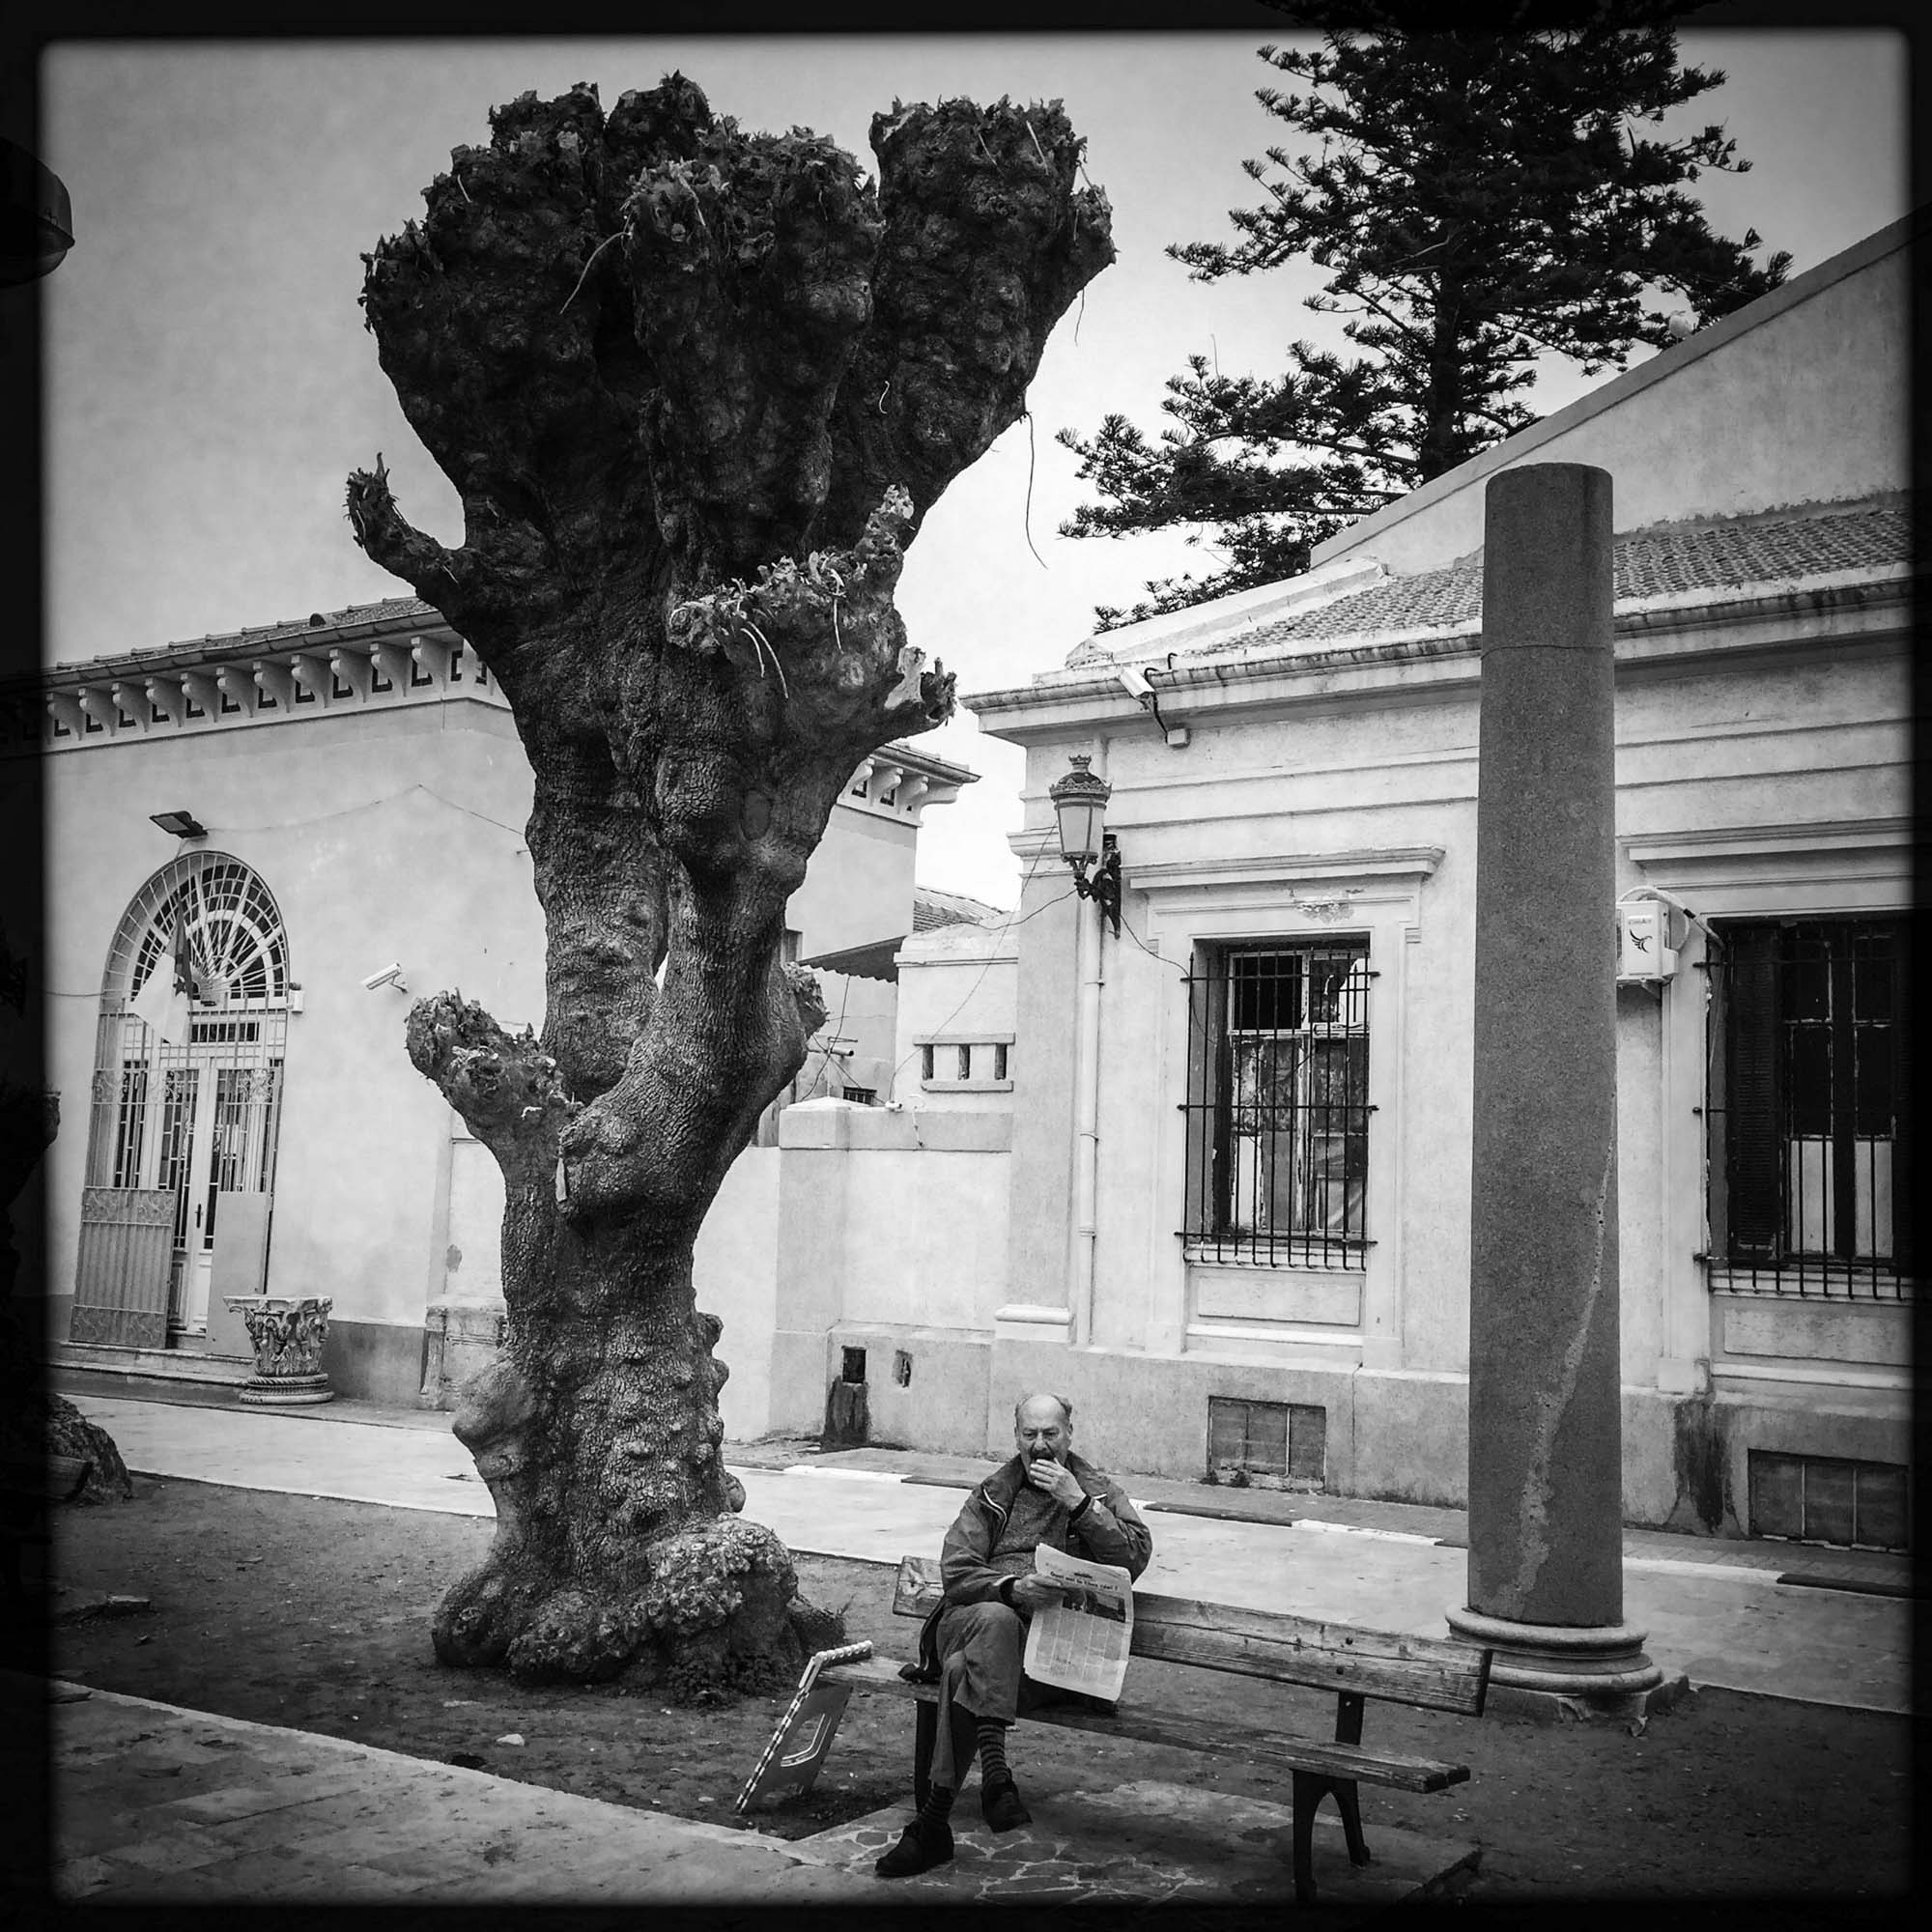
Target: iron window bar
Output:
{"points": [[1277, 1107], [1806, 1117]]}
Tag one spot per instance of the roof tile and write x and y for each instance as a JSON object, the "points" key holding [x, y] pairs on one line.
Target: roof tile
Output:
{"points": [[1661, 561]]}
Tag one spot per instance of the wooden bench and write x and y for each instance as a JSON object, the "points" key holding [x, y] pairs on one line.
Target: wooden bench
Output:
{"points": [[1430, 1673]]}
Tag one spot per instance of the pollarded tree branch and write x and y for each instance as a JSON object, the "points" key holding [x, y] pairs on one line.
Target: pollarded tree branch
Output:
{"points": [[750, 268], [988, 242], [504, 1085], [508, 339]]}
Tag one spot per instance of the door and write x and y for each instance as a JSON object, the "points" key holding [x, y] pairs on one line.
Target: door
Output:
{"points": [[187, 1105]]}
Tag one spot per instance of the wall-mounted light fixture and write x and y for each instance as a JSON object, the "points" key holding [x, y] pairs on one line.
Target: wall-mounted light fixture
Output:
{"points": [[182, 824], [1080, 804]]}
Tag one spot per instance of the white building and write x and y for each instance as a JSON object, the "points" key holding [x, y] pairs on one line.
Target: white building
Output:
{"points": [[344, 801], [1237, 1196]]}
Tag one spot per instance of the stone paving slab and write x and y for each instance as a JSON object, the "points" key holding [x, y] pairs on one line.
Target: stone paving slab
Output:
{"points": [[398, 1826], [294, 1816], [1100, 1839]]}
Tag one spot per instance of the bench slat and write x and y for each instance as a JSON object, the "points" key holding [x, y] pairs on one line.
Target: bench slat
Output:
{"points": [[1393, 1769], [1437, 1673]]}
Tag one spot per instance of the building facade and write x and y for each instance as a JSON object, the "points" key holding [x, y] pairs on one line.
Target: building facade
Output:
{"points": [[261, 849], [1237, 1192]]}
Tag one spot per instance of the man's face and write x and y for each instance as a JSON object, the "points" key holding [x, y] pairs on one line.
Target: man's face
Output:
{"points": [[1042, 1430]]}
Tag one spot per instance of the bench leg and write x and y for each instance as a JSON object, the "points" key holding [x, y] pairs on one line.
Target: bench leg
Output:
{"points": [[1349, 1805], [1308, 1790]]}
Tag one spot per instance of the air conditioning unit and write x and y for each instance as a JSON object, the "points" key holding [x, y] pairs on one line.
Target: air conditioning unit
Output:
{"points": [[1649, 933]]}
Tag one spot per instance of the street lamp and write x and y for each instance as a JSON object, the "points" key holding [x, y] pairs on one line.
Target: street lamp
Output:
{"points": [[1080, 804]]}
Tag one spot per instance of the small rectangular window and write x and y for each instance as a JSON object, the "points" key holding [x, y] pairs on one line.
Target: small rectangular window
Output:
{"points": [[61, 730], [156, 715], [926, 1063], [194, 710], [482, 677], [377, 681], [266, 702], [303, 694], [228, 704], [965, 1054], [456, 666], [419, 675], [338, 688], [92, 723], [1000, 1060]]}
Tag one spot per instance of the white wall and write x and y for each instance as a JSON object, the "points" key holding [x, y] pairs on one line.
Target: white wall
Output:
{"points": [[957, 987]]}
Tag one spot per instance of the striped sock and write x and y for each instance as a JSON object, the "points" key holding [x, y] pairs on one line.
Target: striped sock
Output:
{"points": [[938, 1805], [992, 1752]]}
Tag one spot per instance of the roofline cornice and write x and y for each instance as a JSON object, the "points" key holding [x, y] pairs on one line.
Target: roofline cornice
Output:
{"points": [[232, 648], [1371, 665]]}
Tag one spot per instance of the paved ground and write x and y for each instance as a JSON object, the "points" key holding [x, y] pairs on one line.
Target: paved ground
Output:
{"points": [[156, 1803], [1720, 1614]]}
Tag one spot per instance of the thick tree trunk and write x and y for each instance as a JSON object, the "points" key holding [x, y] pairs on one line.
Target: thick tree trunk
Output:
{"points": [[696, 389]]}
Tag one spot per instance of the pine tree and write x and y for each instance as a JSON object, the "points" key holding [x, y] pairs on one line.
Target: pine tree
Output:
{"points": [[1482, 200]]}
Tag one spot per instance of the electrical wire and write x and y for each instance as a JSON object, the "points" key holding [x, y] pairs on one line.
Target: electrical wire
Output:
{"points": [[368, 804]]}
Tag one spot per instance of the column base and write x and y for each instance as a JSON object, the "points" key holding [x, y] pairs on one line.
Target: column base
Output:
{"points": [[1561, 1670], [285, 1391]]}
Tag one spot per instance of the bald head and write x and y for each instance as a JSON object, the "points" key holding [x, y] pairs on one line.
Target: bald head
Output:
{"points": [[1043, 1425]]}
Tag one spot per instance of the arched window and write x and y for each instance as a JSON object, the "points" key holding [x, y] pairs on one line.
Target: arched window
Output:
{"points": [[188, 1084], [233, 932]]}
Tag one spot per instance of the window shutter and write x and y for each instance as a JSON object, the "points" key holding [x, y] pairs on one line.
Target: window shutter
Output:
{"points": [[1752, 1133]]}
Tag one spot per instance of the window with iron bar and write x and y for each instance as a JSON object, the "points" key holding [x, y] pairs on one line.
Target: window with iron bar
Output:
{"points": [[1805, 1112], [1277, 1103]]}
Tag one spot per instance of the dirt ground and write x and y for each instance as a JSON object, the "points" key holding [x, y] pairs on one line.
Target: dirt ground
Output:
{"points": [[315, 1614]]}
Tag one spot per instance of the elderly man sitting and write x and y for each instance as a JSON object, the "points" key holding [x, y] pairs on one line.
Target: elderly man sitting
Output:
{"points": [[972, 1643]]}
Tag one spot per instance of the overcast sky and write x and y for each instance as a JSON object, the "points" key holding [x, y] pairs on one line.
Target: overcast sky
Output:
{"points": [[210, 384]]}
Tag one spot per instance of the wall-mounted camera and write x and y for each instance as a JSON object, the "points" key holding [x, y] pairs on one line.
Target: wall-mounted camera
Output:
{"points": [[390, 975]]}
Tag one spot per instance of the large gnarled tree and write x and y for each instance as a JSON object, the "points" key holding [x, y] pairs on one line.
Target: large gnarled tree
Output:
{"points": [[696, 389]]}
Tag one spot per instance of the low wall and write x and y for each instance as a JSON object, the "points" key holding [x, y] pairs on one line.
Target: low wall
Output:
{"points": [[734, 1273], [895, 1242]]}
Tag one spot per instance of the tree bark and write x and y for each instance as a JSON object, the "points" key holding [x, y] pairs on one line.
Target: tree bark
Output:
{"points": [[696, 389]]}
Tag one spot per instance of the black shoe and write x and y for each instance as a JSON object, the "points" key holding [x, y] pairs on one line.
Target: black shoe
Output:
{"points": [[1000, 1806], [924, 1843]]}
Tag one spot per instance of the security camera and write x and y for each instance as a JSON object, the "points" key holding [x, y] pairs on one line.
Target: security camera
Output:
{"points": [[390, 975], [1134, 683]]}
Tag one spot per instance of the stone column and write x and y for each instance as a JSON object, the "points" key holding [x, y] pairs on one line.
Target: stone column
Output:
{"points": [[1546, 1436]]}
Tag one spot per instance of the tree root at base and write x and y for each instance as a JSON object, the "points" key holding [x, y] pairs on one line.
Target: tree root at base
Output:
{"points": [[719, 1617]]}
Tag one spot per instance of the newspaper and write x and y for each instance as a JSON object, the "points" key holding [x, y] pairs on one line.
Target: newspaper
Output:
{"points": [[1082, 1642]]}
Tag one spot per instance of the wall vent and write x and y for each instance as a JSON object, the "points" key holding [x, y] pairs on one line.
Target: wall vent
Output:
{"points": [[1278, 1445], [1829, 1499]]}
